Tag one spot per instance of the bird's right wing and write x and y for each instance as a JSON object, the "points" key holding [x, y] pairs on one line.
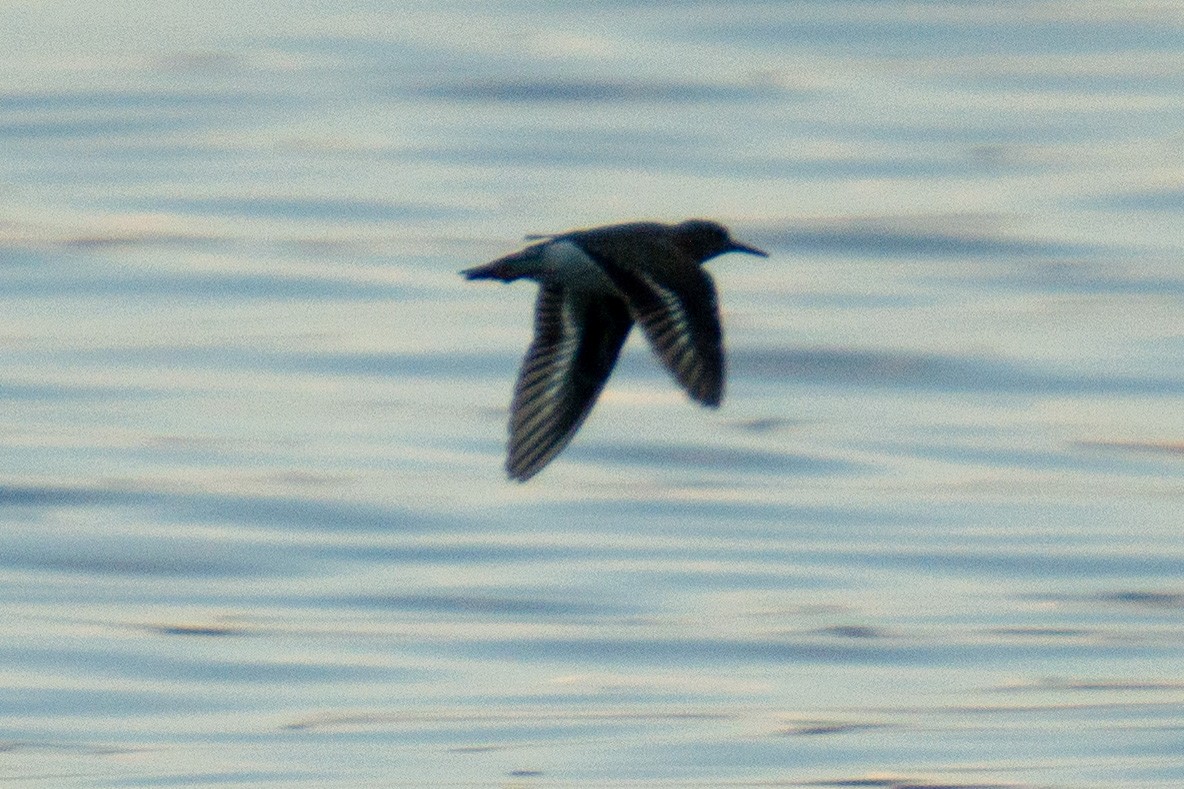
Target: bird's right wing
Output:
{"points": [[576, 344], [680, 316]]}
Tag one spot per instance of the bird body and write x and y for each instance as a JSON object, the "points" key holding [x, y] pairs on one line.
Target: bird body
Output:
{"points": [[593, 285]]}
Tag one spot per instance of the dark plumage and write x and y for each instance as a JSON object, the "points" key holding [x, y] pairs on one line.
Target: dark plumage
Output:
{"points": [[593, 285]]}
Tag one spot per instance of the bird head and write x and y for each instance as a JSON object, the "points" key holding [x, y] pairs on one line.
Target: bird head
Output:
{"points": [[704, 239]]}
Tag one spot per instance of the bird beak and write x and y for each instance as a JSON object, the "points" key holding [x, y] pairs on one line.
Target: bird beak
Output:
{"points": [[738, 247]]}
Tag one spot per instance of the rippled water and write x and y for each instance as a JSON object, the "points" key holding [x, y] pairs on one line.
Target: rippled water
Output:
{"points": [[256, 530]]}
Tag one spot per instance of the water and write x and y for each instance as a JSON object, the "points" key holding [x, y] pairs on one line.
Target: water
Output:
{"points": [[255, 527]]}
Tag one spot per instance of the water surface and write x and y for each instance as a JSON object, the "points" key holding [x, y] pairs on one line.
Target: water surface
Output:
{"points": [[255, 528]]}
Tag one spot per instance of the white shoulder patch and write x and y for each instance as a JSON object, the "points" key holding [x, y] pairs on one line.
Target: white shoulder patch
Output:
{"points": [[570, 266]]}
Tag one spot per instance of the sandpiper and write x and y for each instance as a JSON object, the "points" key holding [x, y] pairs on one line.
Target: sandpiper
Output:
{"points": [[593, 284]]}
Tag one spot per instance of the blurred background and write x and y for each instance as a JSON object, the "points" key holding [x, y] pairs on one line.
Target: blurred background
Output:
{"points": [[254, 528]]}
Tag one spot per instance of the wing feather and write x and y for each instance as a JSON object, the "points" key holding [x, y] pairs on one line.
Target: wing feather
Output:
{"points": [[576, 343], [680, 318]]}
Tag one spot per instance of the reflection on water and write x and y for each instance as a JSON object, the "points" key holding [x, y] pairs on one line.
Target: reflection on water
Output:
{"points": [[251, 420]]}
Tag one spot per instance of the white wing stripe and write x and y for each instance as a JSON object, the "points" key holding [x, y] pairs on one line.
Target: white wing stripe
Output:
{"points": [[541, 390]]}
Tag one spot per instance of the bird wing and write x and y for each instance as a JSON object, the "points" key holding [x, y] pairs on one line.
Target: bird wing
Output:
{"points": [[576, 344], [680, 315]]}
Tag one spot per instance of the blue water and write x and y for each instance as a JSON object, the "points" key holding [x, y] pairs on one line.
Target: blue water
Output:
{"points": [[255, 529]]}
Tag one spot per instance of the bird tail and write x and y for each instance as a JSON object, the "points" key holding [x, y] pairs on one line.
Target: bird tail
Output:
{"points": [[496, 270], [520, 264]]}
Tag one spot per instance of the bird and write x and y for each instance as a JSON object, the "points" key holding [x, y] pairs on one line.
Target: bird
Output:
{"points": [[594, 284]]}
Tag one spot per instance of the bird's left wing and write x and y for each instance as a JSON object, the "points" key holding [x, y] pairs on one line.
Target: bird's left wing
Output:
{"points": [[576, 344]]}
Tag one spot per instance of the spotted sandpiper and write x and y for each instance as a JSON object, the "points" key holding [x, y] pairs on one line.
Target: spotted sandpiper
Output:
{"points": [[593, 284]]}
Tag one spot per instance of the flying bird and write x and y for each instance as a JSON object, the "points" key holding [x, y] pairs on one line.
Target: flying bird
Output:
{"points": [[593, 285]]}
